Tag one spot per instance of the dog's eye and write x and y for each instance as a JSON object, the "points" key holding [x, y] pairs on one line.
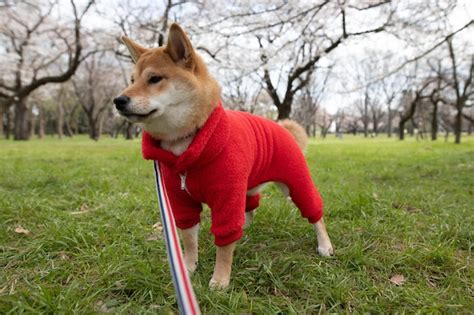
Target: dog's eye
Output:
{"points": [[154, 79]]}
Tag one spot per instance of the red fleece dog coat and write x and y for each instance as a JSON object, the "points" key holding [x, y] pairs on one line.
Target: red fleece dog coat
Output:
{"points": [[232, 153]]}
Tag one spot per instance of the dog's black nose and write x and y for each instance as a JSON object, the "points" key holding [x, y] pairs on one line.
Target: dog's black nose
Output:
{"points": [[121, 102]]}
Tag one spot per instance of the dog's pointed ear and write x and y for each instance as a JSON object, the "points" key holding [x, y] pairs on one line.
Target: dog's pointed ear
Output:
{"points": [[136, 50], [179, 46]]}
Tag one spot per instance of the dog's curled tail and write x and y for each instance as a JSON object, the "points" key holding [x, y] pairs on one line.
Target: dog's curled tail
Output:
{"points": [[297, 131]]}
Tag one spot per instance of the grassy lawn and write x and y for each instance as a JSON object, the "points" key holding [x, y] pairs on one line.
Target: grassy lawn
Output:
{"points": [[77, 235]]}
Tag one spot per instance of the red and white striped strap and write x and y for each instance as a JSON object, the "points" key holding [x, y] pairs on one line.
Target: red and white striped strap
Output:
{"points": [[184, 291]]}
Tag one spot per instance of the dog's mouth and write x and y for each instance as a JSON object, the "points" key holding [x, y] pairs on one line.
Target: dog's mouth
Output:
{"points": [[135, 115]]}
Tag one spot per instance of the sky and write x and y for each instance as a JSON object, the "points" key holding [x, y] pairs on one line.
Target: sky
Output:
{"points": [[333, 99]]}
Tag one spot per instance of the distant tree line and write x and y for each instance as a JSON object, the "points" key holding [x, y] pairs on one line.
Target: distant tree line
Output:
{"points": [[280, 60]]}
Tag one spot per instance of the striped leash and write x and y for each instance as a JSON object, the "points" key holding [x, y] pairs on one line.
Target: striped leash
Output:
{"points": [[184, 291]]}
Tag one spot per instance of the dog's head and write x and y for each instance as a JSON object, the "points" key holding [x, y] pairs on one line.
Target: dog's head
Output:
{"points": [[171, 92]]}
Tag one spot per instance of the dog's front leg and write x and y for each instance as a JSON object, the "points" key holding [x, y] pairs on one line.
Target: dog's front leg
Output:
{"points": [[324, 243], [190, 243], [223, 268]]}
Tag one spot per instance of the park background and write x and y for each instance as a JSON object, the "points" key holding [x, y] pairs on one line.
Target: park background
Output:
{"points": [[384, 89]]}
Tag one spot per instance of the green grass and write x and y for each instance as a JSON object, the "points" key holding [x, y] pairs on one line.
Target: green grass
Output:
{"points": [[392, 208]]}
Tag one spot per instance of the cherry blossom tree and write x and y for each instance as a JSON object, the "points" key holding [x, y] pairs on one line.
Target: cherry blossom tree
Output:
{"points": [[38, 49]]}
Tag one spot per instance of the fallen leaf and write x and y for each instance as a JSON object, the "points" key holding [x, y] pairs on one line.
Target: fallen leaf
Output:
{"points": [[396, 205], [431, 283], [277, 292], [77, 212], [63, 256], [397, 279], [152, 237], [157, 227], [412, 209], [407, 208], [83, 209], [101, 306], [20, 230], [13, 284]]}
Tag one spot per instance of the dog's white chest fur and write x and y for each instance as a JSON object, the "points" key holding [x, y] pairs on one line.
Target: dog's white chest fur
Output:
{"points": [[177, 147]]}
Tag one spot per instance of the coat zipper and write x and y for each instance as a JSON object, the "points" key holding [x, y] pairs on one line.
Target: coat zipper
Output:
{"points": [[183, 183]]}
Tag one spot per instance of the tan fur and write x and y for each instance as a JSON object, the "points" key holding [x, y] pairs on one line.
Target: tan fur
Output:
{"points": [[187, 82], [223, 268], [324, 243], [297, 131], [189, 238]]}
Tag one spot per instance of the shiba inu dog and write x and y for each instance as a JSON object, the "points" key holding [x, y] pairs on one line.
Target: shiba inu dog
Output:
{"points": [[211, 155]]}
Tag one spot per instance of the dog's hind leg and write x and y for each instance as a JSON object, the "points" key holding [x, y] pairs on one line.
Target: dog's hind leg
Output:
{"points": [[190, 244], [305, 196], [249, 218], [251, 203], [284, 189]]}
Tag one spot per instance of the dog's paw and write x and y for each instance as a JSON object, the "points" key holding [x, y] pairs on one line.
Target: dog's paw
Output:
{"points": [[325, 250], [190, 266], [217, 284]]}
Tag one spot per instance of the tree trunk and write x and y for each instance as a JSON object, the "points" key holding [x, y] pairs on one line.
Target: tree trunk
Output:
{"points": [[446, 135], [129, 131], [8, 124], [117, 129], [93, 129], [21, 131], [458, 126], [284, 111], [41, 123], [100, 124], [366, 128], [60, 121], [94, 133], [389, 123], [412, 127], [2, 114], [32, 125], [401, 130], [324, 132], [434, 122], [75, 127], [375, 122], [366, 114], [68, 128], [70, 122], [93, 126], [404, 118]]}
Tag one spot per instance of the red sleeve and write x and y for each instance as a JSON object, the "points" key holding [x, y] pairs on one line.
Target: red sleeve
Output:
{"points": [[186, 211], [227, 213]]}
